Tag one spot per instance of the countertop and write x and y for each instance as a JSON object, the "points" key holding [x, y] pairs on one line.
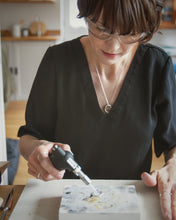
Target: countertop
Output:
{"points": [[41, 200]]}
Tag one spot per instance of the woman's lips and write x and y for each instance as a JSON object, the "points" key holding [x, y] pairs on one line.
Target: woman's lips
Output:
{"points": [[110, 55]]}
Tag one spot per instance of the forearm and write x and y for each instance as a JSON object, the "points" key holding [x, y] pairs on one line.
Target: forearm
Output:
{"points": [[27, 144]]}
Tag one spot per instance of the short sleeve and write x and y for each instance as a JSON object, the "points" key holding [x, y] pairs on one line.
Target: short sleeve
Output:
{"points": [[40, 112], [165, 132]]}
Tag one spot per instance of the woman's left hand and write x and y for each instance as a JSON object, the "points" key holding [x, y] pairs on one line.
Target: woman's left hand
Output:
{"points": [[165, 180]]}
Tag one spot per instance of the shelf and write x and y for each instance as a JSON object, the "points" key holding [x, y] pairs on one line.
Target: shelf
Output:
{"points": [[51, 35], [169, 12], [167, 25], [27, 1]]}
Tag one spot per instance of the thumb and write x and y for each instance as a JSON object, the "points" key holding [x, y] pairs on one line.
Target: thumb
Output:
{"points": [[149, 179]]}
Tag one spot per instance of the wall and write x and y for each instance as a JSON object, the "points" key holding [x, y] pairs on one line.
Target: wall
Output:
{"points": [[26, 56], [166, 38], [11, 13], [3, 156]]}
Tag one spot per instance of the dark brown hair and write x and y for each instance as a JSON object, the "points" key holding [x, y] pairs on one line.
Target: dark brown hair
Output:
{"points": [[125, 16]]}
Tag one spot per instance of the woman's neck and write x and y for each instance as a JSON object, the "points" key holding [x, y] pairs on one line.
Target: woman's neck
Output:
{"points": [[111, 76], [108, 71]]}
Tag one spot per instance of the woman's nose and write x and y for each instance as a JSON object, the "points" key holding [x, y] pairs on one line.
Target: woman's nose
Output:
{"points": [[113, 43]]}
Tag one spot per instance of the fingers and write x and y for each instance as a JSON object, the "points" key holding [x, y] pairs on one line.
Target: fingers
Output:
{"points": [[165, 179], [149, 179], [65, 147], [46, 168], [40, 166], [173, 201], [166, 193], [165, 202], [40, 173]]}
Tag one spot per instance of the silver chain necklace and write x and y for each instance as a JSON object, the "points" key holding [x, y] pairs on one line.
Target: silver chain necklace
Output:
{"points": [[108, 106]]}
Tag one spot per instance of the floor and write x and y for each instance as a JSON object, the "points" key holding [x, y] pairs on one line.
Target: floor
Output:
{"points": [[14, 118]]}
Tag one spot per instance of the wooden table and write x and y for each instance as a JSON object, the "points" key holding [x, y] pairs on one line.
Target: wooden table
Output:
{"points": [[17, 190]]}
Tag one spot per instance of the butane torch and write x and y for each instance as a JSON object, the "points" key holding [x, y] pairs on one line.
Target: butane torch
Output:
{"points": [[65, 160]]}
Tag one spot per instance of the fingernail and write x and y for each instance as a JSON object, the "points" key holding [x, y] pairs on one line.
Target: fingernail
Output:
{"points": [[60, 174], [143, 176], [168, 215]]}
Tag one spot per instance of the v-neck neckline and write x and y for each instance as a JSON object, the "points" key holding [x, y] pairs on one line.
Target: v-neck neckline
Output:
{"points": [[90, 89]]}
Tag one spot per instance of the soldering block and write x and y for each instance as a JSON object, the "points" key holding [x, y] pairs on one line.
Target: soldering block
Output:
{"points": [[114, 202]]}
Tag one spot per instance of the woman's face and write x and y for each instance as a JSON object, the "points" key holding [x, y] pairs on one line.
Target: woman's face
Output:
{"points": [[108, 48]]}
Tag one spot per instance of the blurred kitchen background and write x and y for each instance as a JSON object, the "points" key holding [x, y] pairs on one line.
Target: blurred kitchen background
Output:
{"points": [[24, 54], [59, 16], [28, 28]]}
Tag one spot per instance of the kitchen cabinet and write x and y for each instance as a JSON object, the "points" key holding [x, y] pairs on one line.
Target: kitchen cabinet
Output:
{"points": [[24, 60], [169, 15]]}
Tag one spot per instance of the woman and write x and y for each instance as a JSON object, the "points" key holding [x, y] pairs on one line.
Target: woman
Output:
{"points": [[107, 95]]}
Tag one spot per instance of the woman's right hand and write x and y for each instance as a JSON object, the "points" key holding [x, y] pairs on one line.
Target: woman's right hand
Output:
{"points": [[39, 164]]}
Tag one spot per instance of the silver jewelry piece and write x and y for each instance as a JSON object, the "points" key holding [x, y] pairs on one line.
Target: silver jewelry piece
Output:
{"points": [[108, 106], [38, 157], [38, 175], [161, 194]]}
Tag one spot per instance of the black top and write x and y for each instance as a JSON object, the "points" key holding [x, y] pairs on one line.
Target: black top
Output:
{"points": [[63, 107]]}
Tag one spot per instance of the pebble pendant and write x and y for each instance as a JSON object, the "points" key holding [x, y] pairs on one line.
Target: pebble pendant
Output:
{"points": [[107, 108]]}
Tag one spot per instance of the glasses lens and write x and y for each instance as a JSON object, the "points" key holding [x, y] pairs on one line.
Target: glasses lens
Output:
{"points": [[128, 39], [97, 31], [101, 33]]}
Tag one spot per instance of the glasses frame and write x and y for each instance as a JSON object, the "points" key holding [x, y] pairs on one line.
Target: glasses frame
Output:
{"points": [[108, 36]]}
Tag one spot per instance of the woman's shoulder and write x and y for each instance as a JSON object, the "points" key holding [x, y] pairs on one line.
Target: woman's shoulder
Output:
{"points": [[153, 54], [66, 45], [154, 50]]}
